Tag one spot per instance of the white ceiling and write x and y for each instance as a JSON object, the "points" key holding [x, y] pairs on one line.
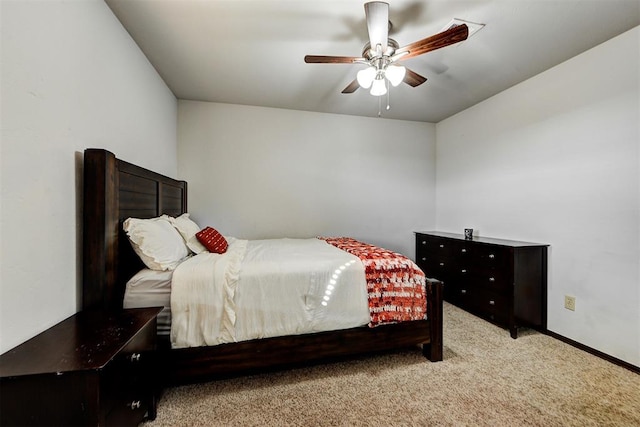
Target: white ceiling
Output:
{"points": [[251, 52]]}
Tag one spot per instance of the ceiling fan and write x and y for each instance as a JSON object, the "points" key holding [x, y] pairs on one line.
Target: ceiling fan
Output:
{"points": [[381, 53]]}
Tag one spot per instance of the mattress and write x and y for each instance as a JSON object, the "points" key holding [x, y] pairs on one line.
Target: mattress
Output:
{"points": [[284, 287], [266, 288], [151, 288]]}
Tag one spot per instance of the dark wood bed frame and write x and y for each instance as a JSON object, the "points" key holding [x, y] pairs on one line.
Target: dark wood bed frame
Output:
{"points": [[115, 190]]}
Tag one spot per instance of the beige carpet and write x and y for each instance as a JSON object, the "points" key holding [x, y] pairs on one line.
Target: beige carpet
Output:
{"points": [[486, 379]]}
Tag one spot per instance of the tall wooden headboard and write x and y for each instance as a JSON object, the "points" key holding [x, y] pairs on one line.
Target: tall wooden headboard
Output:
{"points": [[115, 190]]}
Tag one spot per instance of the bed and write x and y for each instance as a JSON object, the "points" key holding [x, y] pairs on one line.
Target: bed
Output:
{"points": [[115, 190]]}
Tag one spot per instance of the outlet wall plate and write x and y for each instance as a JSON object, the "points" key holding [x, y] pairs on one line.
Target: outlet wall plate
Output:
{"points": [[570, 303]]}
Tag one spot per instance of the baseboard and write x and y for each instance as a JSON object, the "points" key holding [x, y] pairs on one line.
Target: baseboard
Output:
{"points": [[608, 358]]}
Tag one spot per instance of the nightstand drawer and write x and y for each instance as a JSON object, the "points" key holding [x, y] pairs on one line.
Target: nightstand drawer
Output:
{"points": [[127, 411], [129, 383], [128, 379]]}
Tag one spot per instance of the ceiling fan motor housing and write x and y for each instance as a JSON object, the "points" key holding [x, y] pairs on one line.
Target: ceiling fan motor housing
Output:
{"points": [[388, 51]]}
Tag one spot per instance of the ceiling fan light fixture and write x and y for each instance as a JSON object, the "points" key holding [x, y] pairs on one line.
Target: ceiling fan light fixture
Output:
{"points": [[395, 74], [378, 87], [366, 77]]}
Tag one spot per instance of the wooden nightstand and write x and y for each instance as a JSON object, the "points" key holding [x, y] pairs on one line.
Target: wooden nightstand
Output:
{"points": [[94, 368]]}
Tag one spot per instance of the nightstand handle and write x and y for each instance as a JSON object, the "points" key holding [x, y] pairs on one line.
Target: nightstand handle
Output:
{"points": [[424, 242], [463, 291], [463, 271], [135, 357], [492, 256], [464, 250], [492, 302], [492, 279], [424, 258], [134, 405]]}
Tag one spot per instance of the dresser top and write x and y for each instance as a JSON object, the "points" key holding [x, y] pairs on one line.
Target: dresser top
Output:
{"points": [[487, 240], [87, 340]]}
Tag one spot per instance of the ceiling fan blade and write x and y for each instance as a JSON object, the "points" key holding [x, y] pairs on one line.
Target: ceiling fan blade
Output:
{"points": [[412, 78], [352, 87], [437, 41], [322, 59], [377, 13]]}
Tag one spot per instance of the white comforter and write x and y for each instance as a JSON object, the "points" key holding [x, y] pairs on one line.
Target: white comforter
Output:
{"points": [[266, 288]]}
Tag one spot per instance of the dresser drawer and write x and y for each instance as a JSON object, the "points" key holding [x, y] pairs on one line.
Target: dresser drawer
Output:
{"points": [[495, 280], [445, 248], [435, 268], [487, 304], [492, 257], [452, 270], [491, 305]]}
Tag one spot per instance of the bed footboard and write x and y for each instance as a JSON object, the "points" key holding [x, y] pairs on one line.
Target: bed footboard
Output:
{"points": [[433, 350], [199, 364]]}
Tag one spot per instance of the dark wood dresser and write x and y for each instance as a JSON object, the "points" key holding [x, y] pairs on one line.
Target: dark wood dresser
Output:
{"points": [[502, 281], [94, 368]]}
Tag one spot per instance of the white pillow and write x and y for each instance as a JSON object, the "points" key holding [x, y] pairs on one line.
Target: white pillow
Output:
{"points": [[157, 242], [188, 229]]}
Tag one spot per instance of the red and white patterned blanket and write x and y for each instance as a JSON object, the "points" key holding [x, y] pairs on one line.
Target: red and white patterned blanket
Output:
{"points": [[395, 284]]}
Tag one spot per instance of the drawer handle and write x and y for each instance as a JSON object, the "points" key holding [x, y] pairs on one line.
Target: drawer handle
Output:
{"points": [[442, 246], [135, 357], [463, 271], [442, 264], [492, 302], [492, 256], [464, 250], [492, 279], [463, 291], [424, 258], [424, 242], [134, 405]]}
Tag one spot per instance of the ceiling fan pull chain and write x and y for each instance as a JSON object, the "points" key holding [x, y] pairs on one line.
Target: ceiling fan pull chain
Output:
{"points": [[379, 106]]}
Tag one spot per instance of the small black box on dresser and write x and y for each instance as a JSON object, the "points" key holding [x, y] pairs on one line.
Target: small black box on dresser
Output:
{"points": [[503, 281], [94, 368]]}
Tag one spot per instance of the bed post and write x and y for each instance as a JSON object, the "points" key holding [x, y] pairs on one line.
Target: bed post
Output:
{"points": [[433, 350], [100, 213]]}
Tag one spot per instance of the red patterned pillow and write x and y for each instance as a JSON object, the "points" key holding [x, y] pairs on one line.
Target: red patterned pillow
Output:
{"points": [[212, 240]]}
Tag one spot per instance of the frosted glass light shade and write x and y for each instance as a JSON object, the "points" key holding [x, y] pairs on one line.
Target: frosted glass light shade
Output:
{"points": [[395, 74], [378, 88], [365, 77]]}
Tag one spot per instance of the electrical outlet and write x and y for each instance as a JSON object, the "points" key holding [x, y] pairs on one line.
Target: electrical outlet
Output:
{"points": [[570, 303]]}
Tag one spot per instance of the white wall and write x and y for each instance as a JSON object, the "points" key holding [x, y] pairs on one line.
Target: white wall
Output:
{"points": [[71, 78], [258, 172], [556, 160]]}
